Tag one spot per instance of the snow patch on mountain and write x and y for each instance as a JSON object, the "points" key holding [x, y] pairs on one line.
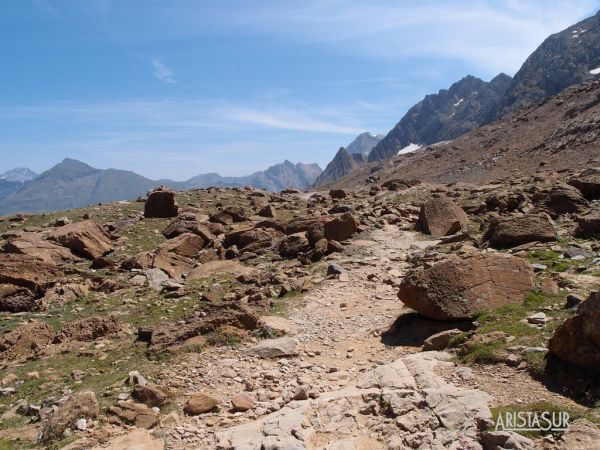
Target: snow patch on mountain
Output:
{"points": [[409, 148]]}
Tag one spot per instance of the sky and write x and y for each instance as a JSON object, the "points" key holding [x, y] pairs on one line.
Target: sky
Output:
{"points": [[172, 89]]}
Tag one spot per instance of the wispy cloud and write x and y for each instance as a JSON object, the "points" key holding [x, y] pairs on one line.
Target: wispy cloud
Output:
{"points": [[490, 35], [183, 137], [162, 72]]}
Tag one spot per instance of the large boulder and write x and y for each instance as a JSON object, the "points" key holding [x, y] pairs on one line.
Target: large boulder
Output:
{"points": [[40, 249], [340, 227], [588, 226], [25, 341], [461, 286], [588, 182], [506, 232], [84, 238], [161, 203], [293, 245], [577, 339], [441, 216], [172, 264], [561, 199]]}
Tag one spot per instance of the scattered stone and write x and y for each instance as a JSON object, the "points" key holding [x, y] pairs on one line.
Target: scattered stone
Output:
{"points": [[200, 403]]}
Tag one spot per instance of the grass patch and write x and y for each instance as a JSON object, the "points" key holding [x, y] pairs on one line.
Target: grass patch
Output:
{"points": [[281, 306], [509, 319], [223, 338]]}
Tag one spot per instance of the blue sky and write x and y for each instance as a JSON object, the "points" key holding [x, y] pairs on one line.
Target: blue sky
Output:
{"points": [[177, 88]]}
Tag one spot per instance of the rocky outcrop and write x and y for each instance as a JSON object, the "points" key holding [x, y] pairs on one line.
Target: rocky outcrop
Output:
{"points": [[42, 250], [561, 199], [88, 329], [588, 183], [161, 203], [24, 281], [588, 226], [407, 390], [562, 60], [462, 286], [506, 232], [466, 105], [82, 405], [440, 216], [25, 341], [577, 339], [86, 239]]}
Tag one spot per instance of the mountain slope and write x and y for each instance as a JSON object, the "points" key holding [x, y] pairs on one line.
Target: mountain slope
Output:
{"points": [[71, 184], [364, 143], [341, 165], [466, 105], [349, 158], [562, 60], [557, 134]]}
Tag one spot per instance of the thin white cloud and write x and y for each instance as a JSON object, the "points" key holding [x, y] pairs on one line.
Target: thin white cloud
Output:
{"points": [[162, 72], [490, 36]]}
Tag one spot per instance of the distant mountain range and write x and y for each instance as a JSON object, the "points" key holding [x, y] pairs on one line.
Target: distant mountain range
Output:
{"points": [[563, 59], [72, 184]]}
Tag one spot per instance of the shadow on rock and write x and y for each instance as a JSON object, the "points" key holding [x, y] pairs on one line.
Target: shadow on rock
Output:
{"points": [[412, 329]]}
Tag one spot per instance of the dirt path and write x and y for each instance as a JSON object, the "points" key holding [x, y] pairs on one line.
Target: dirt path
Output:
{"points": [[338, 341]]}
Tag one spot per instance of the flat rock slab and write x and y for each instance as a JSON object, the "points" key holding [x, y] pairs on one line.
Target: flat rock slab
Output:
{"points": [[411, 391], [274, 348]]}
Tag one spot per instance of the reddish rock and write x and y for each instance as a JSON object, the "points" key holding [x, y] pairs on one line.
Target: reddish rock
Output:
{"points": [[200, 403], [577, 339], [588, 183], [88, 329], [462, 286], [441, 216], [42, 250], [187, 244], [136, 414], [340, 227], [506, 232], [242, 402], [84, 238], [562, 199], [588, 226], [25, 341]]}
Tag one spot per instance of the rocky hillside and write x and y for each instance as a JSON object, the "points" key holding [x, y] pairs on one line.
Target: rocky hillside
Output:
{"points": [[385, 317], [341, 165], [558, 134], [466, 105], [563, 59], [73, 184]]}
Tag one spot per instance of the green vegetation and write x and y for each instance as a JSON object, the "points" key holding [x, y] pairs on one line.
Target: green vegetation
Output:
{"points": [[510, 319]]}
